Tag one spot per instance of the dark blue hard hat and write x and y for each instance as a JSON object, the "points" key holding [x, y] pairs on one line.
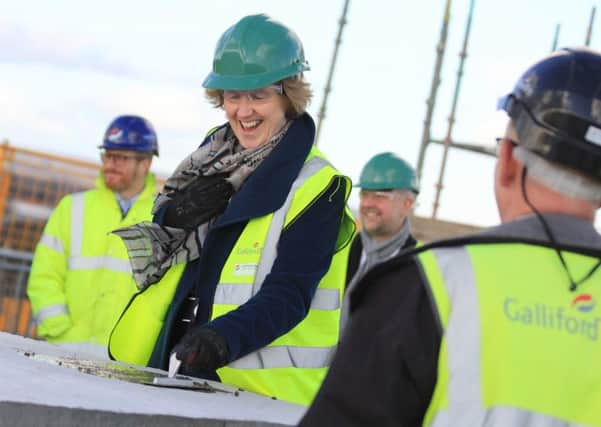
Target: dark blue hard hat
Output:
{"points": [[131, 133], [556, 109]]}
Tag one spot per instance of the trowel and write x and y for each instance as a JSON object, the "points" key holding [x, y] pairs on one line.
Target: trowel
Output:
{"points": [[173, 380]]}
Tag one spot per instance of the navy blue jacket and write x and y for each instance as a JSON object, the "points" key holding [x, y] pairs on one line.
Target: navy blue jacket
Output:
{"points": [[305, 251]]}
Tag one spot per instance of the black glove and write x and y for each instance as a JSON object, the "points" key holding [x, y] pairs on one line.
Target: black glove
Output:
{"points": [[205, 198], [202, 349]]}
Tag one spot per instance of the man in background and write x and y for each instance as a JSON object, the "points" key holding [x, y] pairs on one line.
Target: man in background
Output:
{"points": [[81, 278], [500, 328], [388, 188]]}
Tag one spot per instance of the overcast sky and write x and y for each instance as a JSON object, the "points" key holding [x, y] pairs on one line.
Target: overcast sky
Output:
{"points": [[67, 68]]}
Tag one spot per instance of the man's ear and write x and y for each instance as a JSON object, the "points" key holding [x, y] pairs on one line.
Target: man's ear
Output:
{"points": [[508, 167], [148, 160]]}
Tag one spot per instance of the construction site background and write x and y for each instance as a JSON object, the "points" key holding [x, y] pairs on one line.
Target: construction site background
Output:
{"points": [[32, 183]]}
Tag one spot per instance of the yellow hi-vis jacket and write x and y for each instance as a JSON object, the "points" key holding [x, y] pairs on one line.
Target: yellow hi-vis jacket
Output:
{"points": [[81, 277], [293, 366], [519, 348]]}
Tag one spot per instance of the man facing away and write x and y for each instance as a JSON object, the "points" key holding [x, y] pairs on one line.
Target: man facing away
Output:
{"points": [[501, 328], [388, 188], [80, 278]]}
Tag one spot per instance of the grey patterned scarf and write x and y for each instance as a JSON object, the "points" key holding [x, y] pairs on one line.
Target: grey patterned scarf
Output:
{"points": [[153, 248]]}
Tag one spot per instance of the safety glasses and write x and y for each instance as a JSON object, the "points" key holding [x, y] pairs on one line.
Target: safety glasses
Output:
{"points": [[379, 194], [254, 96], [119, 158]]}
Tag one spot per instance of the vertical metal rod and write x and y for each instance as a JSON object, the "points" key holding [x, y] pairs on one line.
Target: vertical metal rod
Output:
{"points": [[447, 140], [555, 38], [326, 92], [430, 102], [18, 298], [589, 31]]}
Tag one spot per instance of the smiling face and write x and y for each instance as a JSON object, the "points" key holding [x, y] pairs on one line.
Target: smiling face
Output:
{"points": [[383, 212], [255, 116], [124, 171]]}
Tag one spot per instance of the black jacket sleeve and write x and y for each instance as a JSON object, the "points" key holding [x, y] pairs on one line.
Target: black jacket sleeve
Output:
{"points": [[384, 371]]}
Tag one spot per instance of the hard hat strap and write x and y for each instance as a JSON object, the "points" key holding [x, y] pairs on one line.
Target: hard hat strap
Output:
{"points": [[573, 284]]}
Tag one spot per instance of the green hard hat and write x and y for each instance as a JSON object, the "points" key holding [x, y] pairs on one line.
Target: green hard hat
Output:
{"points": [[386, 171], [254, 53]]}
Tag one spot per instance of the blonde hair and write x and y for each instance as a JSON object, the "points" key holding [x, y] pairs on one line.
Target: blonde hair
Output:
{"points": [[297, 93]]}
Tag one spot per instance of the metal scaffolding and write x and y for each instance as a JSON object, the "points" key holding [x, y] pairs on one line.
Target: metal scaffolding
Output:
{"points": [[556, 38], [589, 31], [431, 101], [451, 120], [448, 142], [328, 87]]}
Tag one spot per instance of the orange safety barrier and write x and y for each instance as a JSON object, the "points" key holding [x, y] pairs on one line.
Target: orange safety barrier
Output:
{"points": [[15, 316], [31, 184]]}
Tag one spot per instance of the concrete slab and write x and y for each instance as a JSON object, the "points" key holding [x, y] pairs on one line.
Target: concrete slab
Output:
{"points": [[43, 384]]}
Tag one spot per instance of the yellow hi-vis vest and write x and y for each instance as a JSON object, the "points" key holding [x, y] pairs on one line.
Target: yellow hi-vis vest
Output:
{"points": [[307, 347], [80, 277], [519, 348], [293, 366]]}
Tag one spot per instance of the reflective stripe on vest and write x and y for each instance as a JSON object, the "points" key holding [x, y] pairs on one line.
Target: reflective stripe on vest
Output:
{"points": [[76, 260], [236, 294], [311, 167], [463, 354], [324, 299], [51, 311], [284, 357], [97, 262], [52, 242]]}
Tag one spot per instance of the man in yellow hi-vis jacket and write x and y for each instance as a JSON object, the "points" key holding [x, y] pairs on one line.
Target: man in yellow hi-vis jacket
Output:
{"points": [[80, 277], [501, 328]]}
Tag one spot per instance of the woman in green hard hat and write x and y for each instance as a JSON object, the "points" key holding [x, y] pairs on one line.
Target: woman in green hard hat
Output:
{"points": [[250, 235]]}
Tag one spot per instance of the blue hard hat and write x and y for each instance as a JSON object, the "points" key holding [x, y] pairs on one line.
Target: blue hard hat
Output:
{"points": [[131, 133], [556, 109]]}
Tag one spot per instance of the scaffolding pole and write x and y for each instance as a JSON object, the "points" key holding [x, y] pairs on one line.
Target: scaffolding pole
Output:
{"points": [[487, 150], [430, 102], [555, 38], [589, 31], [328, 88], [451, 119]]}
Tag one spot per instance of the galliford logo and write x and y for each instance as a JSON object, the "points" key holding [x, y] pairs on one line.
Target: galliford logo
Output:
{"points": [[584, 303], [578, 319], [254, 249]]}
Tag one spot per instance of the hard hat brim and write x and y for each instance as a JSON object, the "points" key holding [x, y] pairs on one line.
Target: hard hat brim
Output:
{"points": [[251, 82]]}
